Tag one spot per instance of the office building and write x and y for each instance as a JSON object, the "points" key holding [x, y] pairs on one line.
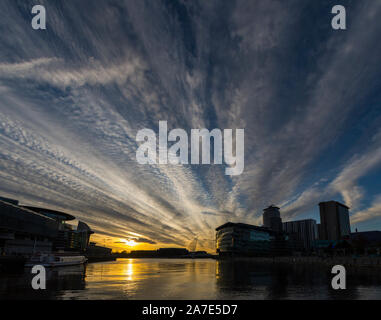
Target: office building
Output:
{"points": [[334, 219], [11, 201], [243, 239], [272, 219], [319, 231], [26, 230], [302, 230]]}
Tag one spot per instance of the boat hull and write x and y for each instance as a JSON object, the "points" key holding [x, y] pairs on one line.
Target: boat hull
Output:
{"points": [[53, 264], [51, 261]]}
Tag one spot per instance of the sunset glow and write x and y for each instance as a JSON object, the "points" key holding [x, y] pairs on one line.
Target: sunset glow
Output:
{"points": [[130, 243]]}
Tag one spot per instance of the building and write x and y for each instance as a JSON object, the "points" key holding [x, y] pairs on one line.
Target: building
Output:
{"points": [[26, 230], [11, 201], [98, 253], [143, 254], [23, 231], [334, 219], [172, 252], [319, 231], [302, 230], [272, 219], [68, 238], [372, 238], [243, 239]]}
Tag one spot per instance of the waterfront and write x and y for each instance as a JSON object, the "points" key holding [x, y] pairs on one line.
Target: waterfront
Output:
{"points": [[189, 279]]}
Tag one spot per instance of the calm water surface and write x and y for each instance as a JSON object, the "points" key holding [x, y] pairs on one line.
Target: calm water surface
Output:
{"points": [[188, 279]]}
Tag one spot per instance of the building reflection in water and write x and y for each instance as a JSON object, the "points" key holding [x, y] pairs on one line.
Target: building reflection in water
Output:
{"points": [[248, 280], [58, 282]]}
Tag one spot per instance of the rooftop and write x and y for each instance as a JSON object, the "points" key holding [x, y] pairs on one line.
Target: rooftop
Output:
{"points": [[49, 213], [338, 203], [241, 225]]}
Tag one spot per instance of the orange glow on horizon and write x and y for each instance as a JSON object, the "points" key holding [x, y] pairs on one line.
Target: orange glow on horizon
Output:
{"points": [[129, 244], [120, 244]]}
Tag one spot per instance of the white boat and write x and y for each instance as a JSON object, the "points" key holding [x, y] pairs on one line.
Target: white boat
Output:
{"points": [[52, 260]]}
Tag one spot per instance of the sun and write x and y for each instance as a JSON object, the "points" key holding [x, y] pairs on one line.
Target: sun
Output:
{"points": [[130, 243]]}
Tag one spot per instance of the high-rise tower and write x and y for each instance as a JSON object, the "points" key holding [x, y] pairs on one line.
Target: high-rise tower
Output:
{"points": [[334, 218], [272, 219]]}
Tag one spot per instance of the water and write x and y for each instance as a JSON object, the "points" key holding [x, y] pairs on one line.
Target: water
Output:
{"points": [[188, 279]]}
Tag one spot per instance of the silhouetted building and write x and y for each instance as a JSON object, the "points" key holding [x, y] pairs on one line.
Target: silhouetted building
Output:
{"points": [[319, 231], [98, 253], [334, 219], [27, 230], [11, 201], [302, 230], [200, 254], [23, 231], [371, 237], [272, 219], [242, 239], [143, 254], [170, 252]]}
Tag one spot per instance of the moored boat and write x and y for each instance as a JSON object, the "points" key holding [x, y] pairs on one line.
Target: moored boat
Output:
{"points": [[53, 260]]}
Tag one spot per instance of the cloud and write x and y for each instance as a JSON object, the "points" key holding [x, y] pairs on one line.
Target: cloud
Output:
{"points": [[359, 166], [374, 211], [73, 98], [137, 240], [344, 183], [95, 73], [143, 240], [22, 68]]}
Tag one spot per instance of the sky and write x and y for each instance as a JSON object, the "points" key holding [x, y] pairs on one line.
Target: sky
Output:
{"points": [[74, 96]]}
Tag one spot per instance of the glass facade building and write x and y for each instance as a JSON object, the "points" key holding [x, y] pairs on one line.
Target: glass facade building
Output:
{"points": [[243, 239], [25, 230]]}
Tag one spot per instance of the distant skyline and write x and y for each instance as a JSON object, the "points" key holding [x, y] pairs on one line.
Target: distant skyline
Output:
{"points": [[73, 97]]}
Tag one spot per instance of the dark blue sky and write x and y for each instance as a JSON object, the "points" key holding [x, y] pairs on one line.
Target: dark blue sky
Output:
{"points": [[73, 97]]}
